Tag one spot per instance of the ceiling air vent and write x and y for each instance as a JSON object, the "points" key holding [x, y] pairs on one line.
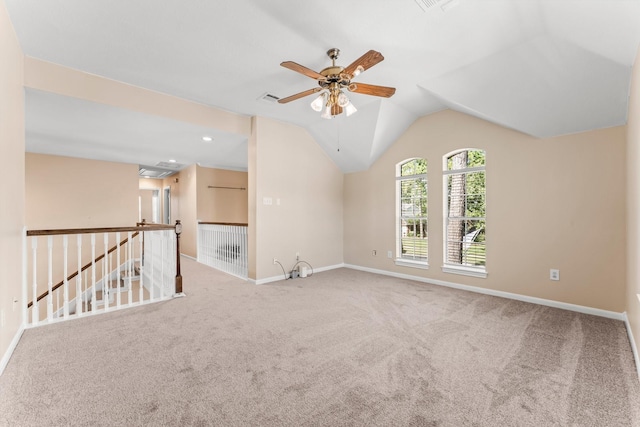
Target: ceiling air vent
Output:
{"points": [[149, 172], [267, 97], [445, 5], [170, 165]]}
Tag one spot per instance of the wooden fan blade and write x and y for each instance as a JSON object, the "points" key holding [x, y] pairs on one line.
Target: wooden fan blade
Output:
{"points": [[299, 95], [374, 90], [366, 61], [302, 70]]}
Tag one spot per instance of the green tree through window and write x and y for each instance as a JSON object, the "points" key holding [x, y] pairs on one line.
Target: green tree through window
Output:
{"points": [[465, 222], [412, 208]]}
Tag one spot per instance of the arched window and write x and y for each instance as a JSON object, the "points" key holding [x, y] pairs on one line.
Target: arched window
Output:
{"points": [[465, 212], [411, 208]]}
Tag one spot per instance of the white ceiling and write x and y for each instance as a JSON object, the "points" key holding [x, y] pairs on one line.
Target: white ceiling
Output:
{"points": [[542, 67]]}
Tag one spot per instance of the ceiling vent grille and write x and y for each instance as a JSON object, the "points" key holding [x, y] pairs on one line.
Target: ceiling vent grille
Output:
{"points": [[445, 5], [170, 165], [148, 172], [267, 97], [427, 4]]}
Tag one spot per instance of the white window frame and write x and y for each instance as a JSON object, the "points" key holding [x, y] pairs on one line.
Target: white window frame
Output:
{"points": [[399, 259], [448, 267]]}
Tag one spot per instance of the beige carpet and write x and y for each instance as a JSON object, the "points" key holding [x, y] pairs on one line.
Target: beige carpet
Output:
{"points": [[341, 348]]}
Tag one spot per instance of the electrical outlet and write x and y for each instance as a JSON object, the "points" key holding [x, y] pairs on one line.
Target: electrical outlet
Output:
{"points": [[554, 274], [374, 252], [274, 260], [389, 254]]}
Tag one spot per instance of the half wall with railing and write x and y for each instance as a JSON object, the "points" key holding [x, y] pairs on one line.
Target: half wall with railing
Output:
{"points": [[69, 273], [224, 246]]}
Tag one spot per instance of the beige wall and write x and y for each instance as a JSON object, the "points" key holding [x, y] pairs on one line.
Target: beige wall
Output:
{"points": [[220, 204], [551, 203], [633, 203], [12, 189], [186, 199], [290, 168], [65, 192]]}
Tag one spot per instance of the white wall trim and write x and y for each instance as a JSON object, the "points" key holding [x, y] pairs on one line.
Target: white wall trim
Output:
{"points": [[188, 256], [632, 341], [465, 271], [509, 295], [7, 355], [423, 265], [279, 277]]}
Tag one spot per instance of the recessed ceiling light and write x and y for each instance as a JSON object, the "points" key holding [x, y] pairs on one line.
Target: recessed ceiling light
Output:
{"points": [[207, 138], [172, 161]]}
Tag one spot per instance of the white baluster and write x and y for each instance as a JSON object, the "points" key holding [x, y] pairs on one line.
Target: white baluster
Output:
{"points": [[118, 275], [50, 278], [65, 248], [152, 282], [107, 274], [85, 281], [130, 267], [35, 308], [141, 248], [162, 258], [93, 272], [236, 250], [79, 277]]}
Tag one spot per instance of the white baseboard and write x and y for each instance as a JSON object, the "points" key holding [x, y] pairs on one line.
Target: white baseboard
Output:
{"points": [[509, 295], [188, 256], [279, 277], [7, 355], [632, 341]]}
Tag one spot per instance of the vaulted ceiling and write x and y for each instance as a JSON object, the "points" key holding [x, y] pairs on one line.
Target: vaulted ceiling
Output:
{"points": [[542, 67]]}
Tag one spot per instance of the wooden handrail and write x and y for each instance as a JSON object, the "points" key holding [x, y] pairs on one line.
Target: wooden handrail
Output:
{"points": [[55, 232], [59, 284]]}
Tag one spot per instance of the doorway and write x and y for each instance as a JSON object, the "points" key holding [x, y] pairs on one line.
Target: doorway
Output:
{"points": [[166, 205]]}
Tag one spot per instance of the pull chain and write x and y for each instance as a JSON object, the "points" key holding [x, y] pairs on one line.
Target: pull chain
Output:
{"points": [[338, 134]]}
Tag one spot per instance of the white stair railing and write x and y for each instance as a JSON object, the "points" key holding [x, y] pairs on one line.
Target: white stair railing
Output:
{"points": [[144, 265], [224, 246]]}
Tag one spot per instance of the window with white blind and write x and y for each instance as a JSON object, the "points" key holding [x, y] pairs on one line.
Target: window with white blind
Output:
{"points": [[411, 208], [465, 212]]}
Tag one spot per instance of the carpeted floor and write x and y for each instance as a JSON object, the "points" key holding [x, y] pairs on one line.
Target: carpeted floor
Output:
{"points": [[340, 348]]}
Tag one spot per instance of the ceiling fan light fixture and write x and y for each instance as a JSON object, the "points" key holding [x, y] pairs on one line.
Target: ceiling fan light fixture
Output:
{"points": [[349, 109], [334, 80], [318, 103]]}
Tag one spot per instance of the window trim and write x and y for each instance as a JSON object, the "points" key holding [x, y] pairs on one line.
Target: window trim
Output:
{"points": [[465, 270], [398, 259], [404, 262]]}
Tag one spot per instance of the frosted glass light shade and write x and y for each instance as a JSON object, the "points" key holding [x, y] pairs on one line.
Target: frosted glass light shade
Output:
{"points": [[318, 103], [350, 109], [342, 99]]}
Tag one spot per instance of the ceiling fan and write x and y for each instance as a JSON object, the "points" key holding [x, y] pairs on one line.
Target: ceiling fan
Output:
{"points": [[333, 80]]}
